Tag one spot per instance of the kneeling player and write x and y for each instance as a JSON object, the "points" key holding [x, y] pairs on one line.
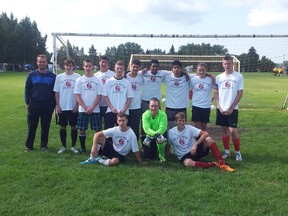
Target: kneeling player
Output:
{"points": [[188, 151], [123, 141]]}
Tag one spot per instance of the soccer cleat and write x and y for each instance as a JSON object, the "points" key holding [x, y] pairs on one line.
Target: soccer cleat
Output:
{"points": [[147, 141], [227, 168], [226, 155], [238, 156], [162, 159], [74, 149], [62, 150], [160, 138], [91, 161]]}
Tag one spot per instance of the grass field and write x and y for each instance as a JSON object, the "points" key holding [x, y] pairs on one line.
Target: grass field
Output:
{"points": [[45, 183]]}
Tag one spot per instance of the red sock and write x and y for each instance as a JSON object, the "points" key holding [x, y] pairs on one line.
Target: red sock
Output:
{"points": [[236, 143], [203, 164], [226, 142], [216, 153]]}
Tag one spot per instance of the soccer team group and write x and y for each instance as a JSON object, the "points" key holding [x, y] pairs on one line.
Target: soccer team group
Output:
{"points": [[128, 105]]}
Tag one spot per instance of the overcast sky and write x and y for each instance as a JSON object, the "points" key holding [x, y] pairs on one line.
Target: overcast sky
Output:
{"points": [[153, 16]]}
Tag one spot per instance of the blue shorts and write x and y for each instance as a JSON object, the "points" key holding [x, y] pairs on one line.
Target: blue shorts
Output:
{"points": [[83, 120], [200, 153], [110, 152], [200, 114], [68, 116], [227, 121]]}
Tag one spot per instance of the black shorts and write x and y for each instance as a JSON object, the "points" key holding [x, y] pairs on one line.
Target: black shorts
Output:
{"points": [[200, 153], [110, 152], [200, 114], [171, 112], [227, 121], [66, 117]]}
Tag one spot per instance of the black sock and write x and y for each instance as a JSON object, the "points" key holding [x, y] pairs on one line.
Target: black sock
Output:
{"points": [[63, 136], [82, 139], [74, 137]]}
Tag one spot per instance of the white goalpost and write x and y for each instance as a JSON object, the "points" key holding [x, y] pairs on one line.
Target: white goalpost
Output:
{"points": [[190, 49]]}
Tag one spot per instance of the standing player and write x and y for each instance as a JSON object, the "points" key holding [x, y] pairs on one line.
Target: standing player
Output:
{"points": [[117, 94], [103, 74], [202, 95], [177, 92], [136, 81], [228, 92], [123, 141], [88, 92], [40, 100], [66, 105]]}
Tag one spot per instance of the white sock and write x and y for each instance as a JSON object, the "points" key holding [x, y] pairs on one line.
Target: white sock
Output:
{"points": [[237, 152], [227, 151], [104, 161], [92, 157]]}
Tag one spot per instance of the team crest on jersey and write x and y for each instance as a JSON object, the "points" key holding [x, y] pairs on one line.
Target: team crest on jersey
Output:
{"points": [[181, 141], [176, 83], [121, 141], [89, 85], [201, 86], [117, 88], [68, 84], [153, 78], [134, 87], [227, 84], [103, 80]]}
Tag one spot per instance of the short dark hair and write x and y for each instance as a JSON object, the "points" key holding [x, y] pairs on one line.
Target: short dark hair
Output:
{"points": [[136, 61], [177, 62], [154, 99], [228, 58], [103, 58], [154, 61]]}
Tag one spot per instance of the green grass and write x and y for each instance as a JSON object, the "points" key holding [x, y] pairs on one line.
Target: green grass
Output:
{"points": [[45, 183]]}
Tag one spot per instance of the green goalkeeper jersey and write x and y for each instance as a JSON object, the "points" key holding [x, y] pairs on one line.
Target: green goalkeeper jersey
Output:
{"points": [[153, 126]]}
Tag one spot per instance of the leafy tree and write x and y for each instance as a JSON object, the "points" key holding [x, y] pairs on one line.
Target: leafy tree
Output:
{"points": [[172, 50], [92, 53], [203, 49]]}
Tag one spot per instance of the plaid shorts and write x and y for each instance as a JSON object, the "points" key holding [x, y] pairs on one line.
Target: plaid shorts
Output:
{"points": [[83, 120]]}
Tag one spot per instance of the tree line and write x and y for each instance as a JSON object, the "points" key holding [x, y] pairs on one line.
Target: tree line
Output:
{"points": [[21, 42]]}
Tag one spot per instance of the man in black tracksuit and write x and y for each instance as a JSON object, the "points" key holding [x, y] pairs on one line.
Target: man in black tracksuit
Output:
{"points": [[40, 99]]}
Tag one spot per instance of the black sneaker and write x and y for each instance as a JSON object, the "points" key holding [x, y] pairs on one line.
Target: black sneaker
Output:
{"points": [[27, 149], [82, 151], [45, 148]]}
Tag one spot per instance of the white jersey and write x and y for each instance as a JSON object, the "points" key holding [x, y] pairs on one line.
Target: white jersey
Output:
{"points": [[123, 142], [88, 88], [117, 92], [177, 91], [137, 87], [64, 85], [152, 84], [202, 91], [104, 76], [228, 86], [182, 141]]}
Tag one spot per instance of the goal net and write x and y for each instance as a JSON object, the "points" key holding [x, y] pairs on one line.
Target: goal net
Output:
{"points": [[251, 53]]}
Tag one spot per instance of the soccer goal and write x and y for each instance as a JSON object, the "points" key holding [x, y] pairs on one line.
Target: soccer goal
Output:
{"points": [[251, 53]]}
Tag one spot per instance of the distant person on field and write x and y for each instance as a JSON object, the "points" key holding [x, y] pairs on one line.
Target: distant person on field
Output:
{"points": [[88, 91], [227, 94], [66, 104], [190, 144], [154, 123], [40, 99], [123, 141], [136, 81], [104, 74], [202, 86]]}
